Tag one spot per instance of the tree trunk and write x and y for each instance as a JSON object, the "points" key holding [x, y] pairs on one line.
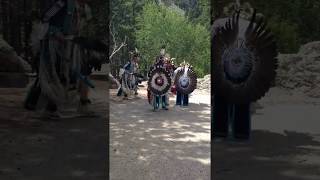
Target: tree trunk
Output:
{"points": [[4, 19], [218, 6]]}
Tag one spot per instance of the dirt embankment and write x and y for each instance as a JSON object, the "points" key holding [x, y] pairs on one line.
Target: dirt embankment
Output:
{"points": [[13, 68], [301, 71], [204, 83]]}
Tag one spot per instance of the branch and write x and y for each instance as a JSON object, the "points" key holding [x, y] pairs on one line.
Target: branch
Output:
{"points": [[113, 37], [116, 48]]}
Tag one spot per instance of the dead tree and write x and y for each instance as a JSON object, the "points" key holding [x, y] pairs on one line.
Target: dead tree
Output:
{"points": [[116, 48], [16, 24]]}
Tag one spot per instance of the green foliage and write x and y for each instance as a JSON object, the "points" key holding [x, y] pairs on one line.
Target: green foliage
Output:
{"points": [[184, 40], [99, 24], [286, 35], [122, 16], [198, 11], [295, 22]]}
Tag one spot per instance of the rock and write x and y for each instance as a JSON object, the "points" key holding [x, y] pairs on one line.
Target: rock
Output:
{"points": [[302, 70], [310, 48], [25, 65], [314, 92], [10, 61], [204, 83], [13, 68]]}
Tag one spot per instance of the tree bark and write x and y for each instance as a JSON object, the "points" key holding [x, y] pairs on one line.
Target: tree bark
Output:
{"points": [[218, 6], [4, 19]]}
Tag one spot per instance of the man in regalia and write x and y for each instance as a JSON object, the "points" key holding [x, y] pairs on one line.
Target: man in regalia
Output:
{"points": [[244, 67], [181, 99], [160, 62], [131, 68], [62, 63]]}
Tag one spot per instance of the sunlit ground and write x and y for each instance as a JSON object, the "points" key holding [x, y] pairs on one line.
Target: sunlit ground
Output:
{"points": [[166, 145]]}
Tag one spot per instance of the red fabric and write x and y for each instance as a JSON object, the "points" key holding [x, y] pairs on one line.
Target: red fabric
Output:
{"points": [[174, 90]]}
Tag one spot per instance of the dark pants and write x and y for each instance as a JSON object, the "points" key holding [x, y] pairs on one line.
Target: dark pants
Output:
{"points": [[182, 99], [236, 115], [119, 92], [160, 100], [33, 97]]}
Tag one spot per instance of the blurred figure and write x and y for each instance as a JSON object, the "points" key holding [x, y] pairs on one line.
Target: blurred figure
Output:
{"points": [[129, 75], [62, 63]]}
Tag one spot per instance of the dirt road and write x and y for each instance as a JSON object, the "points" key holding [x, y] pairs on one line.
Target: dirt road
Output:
{"points": [[163, 145], [34, 149], [285, 142]]}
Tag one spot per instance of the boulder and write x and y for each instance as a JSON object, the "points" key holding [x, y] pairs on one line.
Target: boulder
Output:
{"points": [[10, 61], [302, 70], [13, 69], [204, 83]]}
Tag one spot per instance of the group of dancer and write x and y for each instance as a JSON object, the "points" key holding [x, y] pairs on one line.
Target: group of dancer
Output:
{"points": [[243, 68], [162, 79], [66, 59]]}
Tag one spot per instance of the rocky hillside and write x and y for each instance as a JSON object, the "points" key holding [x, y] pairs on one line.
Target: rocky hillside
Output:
{"points": [[13, 68], [301, 71], [204, 83], [10, 61]]}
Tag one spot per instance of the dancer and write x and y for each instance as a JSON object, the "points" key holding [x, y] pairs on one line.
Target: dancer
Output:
{"points": [[243, 70], [130, 77], [64, 65], [185, 81], [159, 82]]}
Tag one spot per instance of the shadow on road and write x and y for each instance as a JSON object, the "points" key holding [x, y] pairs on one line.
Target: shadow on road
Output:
{"points": [[34, 149], [169, 145], [268, 156]]}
